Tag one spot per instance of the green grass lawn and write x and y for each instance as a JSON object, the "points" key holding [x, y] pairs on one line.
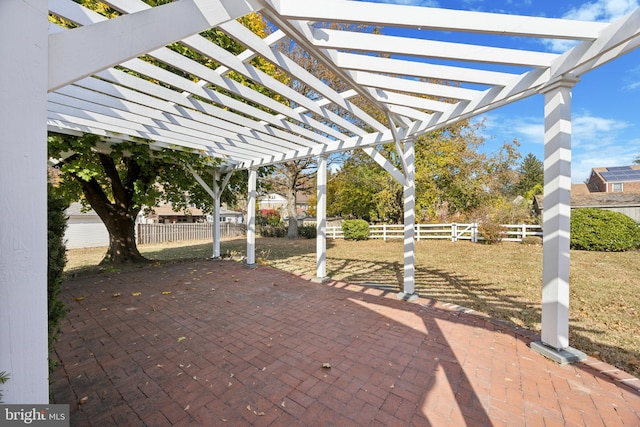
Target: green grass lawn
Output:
{"points": [[503, 281]]}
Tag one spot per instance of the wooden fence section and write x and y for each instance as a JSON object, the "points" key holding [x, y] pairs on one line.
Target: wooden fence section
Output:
{"points": [[159, 233], [453, 232]]}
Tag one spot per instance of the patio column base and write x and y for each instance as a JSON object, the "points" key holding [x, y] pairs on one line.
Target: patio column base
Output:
{"points": [[563, 356], [320, 279], [407, 297], [251, 266]]}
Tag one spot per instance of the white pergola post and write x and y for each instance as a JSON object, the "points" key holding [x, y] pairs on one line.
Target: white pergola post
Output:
{"points": [[321, 220], [251, 217], [217, 193], [218, 188], [408, 290], [23, 201], [556, 223]]}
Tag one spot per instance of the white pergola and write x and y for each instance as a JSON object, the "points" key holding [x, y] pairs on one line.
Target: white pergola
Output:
{"points": [[87, 80]]}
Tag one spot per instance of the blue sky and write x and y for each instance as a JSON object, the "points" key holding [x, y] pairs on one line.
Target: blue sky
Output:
{"points": [[606, 102]]}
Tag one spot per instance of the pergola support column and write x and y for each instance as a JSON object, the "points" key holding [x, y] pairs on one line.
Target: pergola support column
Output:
{"points": [[408, 293], [251, 217], [321, 221], [556, 224], [218, 188], [23, 191]]}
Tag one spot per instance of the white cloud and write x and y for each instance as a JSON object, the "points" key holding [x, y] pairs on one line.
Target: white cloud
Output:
{"points": [[596, 141], [602, 10]]}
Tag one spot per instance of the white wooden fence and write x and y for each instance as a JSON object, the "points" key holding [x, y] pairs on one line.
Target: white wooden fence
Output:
{"points": [[453, 232], [158, 233]]}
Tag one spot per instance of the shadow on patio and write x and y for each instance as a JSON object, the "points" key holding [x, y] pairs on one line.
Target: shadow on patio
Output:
{"points": [[215, 343]]}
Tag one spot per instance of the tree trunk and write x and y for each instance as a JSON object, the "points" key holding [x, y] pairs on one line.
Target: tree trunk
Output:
{"points": [[122, 240], [292, 229]]}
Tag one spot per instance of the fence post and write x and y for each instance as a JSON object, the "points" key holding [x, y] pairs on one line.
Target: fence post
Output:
{"points": [[474, 232], [524, 231], [454, 232]]}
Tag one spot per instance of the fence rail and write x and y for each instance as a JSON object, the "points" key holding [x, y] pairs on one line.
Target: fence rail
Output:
{"points": [[452, 231], [159, 233]]}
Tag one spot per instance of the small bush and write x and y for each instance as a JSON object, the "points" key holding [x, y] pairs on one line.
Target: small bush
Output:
{"points": [[601, 230], [4, 377], [532, 240], [355, 229], [57, 259], [492, 232], [273, 230], [308, 231]]}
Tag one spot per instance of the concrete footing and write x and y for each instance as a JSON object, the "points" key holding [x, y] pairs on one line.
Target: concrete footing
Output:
{"points": [[563, 356]]}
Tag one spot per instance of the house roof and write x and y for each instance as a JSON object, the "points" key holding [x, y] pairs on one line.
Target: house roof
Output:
{"points": [[420, 79], [598, 200]]}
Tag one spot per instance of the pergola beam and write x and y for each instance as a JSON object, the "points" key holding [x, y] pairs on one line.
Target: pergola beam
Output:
{"points": [[73, 54]]}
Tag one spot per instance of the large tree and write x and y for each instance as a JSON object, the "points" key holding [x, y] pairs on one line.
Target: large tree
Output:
{"points": [[530, 176], [454, 177], [119, 180]]}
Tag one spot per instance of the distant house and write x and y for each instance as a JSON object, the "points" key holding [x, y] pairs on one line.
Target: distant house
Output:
{"points": [[277, 202], [618, 179], [165, 214], [627, 203]]}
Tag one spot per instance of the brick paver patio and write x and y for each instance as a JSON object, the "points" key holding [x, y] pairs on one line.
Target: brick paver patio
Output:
{"points": [[213, 343]]}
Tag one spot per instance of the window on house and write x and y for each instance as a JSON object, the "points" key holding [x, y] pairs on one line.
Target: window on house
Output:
{"points": [[617, 187]]}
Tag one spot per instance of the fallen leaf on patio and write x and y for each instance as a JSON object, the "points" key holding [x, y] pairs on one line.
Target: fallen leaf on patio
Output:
{"points": [[248, 408], [84, 400], [79, 298], [166, 293], [186, 408], [117, 294], [260, 414], [104, 309], [159, 365], [136, 294], [326, 365], [282, 404], [229, 385], [182, 339]]}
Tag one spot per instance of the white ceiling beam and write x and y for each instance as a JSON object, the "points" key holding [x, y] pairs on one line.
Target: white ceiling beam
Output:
{"points": [[262, 118], [335, 39], [73, 54], [245, 36], [79, 98], [413, 86], [437, 19], [618, 38], [173, 58], [114, 124], [402, 67], [211, 50], [100, 92]]}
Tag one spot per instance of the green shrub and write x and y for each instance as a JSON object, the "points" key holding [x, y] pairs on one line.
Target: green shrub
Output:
{"points": [[273, 230], [57, 259], [355, 229], [492, 232], [4, 377], [308, 231], [601, 230]]}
